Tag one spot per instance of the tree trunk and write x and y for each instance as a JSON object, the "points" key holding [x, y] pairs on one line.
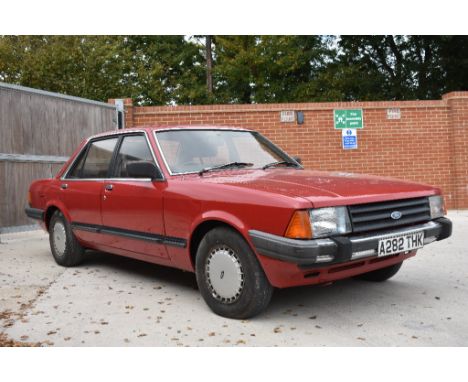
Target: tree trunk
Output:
{"points": [[209, 66]]}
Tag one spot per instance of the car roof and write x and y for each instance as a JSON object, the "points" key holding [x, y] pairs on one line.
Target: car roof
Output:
{"points": [[167, 128]]}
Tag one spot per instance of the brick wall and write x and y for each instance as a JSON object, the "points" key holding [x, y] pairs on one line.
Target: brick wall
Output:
{"points": [[428, 144]]}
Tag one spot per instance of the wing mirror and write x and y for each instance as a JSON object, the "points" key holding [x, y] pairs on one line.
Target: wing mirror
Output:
{"points": [[143, 169]]}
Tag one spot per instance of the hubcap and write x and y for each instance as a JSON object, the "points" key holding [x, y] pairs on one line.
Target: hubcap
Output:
{"points": [[60, 238], [224, 274]]}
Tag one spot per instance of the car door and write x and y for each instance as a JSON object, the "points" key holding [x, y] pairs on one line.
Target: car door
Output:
{"points": [[81, 187], [132, 208]]}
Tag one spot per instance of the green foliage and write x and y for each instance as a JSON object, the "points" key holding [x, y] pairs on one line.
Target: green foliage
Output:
{"points": [[403, 67], [161, 70], [86, 66]]}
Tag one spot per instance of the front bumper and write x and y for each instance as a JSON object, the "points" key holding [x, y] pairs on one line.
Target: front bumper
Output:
{"points": [[323, 252]]}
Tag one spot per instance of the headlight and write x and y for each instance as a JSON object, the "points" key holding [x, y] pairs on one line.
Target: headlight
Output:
{"points": [[437, 206], [329, 221]]}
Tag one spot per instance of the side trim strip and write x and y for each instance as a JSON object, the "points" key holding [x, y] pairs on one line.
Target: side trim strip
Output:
{"points": [[152, 237]]}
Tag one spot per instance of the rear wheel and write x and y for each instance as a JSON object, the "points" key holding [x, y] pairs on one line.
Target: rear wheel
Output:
{"points": [[229, 276], [63, 243], [380, 275]]}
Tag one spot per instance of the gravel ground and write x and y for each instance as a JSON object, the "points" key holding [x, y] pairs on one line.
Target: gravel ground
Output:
{"points": [[114, 301]]}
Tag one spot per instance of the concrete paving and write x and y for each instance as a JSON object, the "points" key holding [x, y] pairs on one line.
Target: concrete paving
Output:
{"points": [[114, 301]]}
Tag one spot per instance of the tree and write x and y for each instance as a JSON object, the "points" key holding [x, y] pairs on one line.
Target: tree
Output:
{"points": [[153, 70], [164, 70], [266, 69], [86, 66], [401, 67]]}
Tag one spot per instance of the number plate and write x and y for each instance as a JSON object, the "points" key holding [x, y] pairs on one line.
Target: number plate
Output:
{"points": [[400, 243]]}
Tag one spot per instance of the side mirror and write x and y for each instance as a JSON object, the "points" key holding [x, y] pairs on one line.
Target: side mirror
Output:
{"points": [[143, 169], [297, 159]]}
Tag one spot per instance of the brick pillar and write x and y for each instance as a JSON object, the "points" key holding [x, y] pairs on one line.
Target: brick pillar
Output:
{"points": [[457, 103], [128, 105]]}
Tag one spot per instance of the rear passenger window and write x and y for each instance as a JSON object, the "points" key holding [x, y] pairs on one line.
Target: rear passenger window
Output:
{"points": [[134, 148], [97, 161]]}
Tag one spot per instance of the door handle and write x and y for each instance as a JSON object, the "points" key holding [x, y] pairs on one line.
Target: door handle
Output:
{"points": [[109, 187], [64, 186]]}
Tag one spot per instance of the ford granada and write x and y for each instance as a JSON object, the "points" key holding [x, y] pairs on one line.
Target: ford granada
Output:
{"points": [[232, 207]]}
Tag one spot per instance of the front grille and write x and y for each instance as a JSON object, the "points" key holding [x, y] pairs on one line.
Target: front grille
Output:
{"points": [[374, 216]]}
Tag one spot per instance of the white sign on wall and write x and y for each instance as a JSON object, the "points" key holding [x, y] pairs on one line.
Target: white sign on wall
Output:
{"points": [[287, 116], [394, 113], [349, 139]]}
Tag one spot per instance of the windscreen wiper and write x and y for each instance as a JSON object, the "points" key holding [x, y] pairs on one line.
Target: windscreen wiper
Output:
{"points": [[280, 163], [227, 165]]}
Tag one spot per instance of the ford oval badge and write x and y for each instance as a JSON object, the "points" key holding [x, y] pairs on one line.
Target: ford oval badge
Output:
{"points": [[395, 215]]}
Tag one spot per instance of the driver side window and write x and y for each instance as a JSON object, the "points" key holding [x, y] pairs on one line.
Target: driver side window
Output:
{"points": [[134, 148]]}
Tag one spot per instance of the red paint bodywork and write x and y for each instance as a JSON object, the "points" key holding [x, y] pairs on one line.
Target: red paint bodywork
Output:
{"points": [[244, 199]]}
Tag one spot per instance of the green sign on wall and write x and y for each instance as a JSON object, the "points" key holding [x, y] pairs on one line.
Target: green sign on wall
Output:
{"points": [[348, 119]]}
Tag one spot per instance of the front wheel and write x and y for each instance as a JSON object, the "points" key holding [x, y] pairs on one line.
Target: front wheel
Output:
{"points": [[229, 276], [382, 274]]}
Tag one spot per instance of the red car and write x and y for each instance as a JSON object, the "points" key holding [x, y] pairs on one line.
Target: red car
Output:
{"points": [[229, 205]]}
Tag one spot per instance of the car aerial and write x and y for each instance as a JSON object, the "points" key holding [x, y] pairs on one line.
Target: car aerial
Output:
{"points": [[229, 205]]}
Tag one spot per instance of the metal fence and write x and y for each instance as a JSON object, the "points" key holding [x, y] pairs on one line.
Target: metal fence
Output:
{"points": [[39, 130]]}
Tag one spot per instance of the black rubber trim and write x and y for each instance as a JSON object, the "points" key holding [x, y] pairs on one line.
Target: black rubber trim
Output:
{"points": [[151, 237], [34, 213], [304, 252], [290, 250], [446, 230], [345, 249]]}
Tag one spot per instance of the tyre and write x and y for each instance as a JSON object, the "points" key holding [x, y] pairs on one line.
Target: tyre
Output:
{"points": [[229, 276], [380, 275], [63, 243]]}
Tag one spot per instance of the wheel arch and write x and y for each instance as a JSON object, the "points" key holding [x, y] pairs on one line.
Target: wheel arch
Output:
{"points": [[207, 224], [51, 208]]}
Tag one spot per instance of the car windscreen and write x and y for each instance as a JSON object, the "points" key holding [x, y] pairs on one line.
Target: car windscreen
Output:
{"points": [[188, 151]]}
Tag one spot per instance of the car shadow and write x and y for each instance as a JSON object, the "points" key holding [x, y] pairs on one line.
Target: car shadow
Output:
{"points": [[344, 296], [347, 294], [151, 272]]}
